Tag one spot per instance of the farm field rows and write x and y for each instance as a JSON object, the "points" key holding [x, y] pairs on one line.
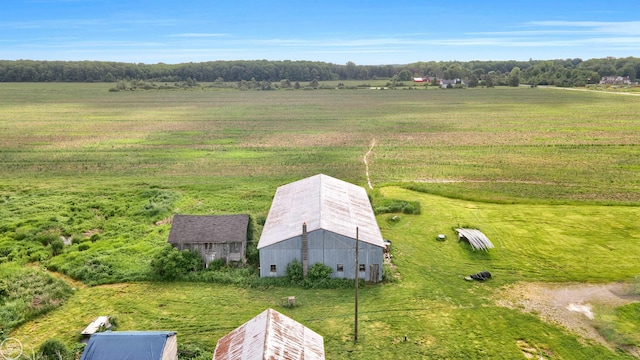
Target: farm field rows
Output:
{"points": [[552, 177]]}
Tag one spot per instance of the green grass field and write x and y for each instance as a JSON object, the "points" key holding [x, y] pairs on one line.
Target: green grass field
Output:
{"points": [[552, 177]]}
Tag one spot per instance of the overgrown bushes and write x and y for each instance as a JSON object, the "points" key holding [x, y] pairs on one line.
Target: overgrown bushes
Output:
{"points": [[382, 205], [171, 263], [318, 276], [27, 293]]}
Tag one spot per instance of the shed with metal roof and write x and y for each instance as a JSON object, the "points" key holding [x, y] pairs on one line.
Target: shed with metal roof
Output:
{"points": [[318, 219], [151, 345], [270, 335], [213, 236]]}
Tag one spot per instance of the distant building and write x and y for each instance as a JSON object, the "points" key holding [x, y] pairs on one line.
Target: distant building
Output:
{"points": [[213, 236], [148, 345], [314, 220], [615, 80], [270, 335], [444, 83]]}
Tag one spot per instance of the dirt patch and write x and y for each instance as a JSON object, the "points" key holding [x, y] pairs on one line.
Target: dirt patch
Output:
{"points": [[164, 221], [569, 305]]}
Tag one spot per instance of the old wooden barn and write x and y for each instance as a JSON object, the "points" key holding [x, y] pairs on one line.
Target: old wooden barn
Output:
{"points": [[315, 220], [213, 236]]}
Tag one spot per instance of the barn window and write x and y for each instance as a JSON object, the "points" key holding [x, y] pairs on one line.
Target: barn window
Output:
{"points": [[340, 267], [273, 268], [362, 268]]}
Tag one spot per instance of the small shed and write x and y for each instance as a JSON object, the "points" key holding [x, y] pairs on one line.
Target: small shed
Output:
{"points": [[476, 238], [213, 236], [270, 335], [148, 345]]}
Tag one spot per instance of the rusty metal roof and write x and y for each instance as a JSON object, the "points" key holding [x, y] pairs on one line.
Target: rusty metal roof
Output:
{"points": [[323, 202], [270, 335]]}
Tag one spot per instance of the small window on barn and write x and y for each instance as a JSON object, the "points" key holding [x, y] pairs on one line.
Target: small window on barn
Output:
{"points": [[273, 268], [340, 267], [362, 267]]}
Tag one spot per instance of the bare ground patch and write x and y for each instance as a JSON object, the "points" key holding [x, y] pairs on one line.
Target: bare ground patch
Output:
{"points": [[569, 305]]}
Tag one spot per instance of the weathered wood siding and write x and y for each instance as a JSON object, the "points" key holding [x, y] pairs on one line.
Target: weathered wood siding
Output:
{"points": [[234, 251]]}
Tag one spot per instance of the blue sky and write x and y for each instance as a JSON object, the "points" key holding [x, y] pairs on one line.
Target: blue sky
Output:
{"points": [[365, 32]]}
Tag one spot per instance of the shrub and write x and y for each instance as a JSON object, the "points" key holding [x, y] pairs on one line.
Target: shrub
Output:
{"points": [[57, 247], [216, 264], [171, 263], [53, 349], [294, 272], [319, 272]]}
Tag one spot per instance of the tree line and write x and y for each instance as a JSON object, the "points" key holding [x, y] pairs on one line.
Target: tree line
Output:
{"points": [[567, 72]]}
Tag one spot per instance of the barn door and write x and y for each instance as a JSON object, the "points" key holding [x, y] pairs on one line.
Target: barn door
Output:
{"points": [[374, 270]]}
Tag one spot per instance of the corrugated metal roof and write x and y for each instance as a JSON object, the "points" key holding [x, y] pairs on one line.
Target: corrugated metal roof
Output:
{"points": [[270, 335], [323, 202], [193, 229], [152, 345], [476, 238]]}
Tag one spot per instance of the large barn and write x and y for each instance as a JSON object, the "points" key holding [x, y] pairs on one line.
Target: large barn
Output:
{"points": [[315, 220], [213, 236]]}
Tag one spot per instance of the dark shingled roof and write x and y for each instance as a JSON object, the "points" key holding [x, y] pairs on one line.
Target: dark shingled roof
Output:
{"points": [[192, 229]]}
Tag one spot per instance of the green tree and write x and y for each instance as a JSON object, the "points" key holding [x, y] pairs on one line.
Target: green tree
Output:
{"points": [[351, 70], [285, 83], [404, 75], [514, 77]]}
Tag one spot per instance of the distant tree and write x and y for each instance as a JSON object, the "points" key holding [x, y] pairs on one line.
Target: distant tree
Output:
{"points": [[265, 85], [404, 75], [285, 84], [514, 77], [490, 79], [473, 81], [351, 70]]}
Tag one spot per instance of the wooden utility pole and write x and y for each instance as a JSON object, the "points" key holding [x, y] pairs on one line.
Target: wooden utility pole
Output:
{"points": [[355, 331]]}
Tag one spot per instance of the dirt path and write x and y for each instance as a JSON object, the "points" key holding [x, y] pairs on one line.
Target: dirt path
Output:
{"points": [[366, 163], [570, 305]]}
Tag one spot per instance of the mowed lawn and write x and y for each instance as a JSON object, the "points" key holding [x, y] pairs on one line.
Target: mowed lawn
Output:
{"points": [[552, 178]]}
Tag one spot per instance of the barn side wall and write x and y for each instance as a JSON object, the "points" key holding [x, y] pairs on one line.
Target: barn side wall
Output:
{"points": [[324, 247]]}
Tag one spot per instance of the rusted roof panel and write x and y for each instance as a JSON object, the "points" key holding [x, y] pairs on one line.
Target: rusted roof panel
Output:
{"points": [[323, 202], [270, 335]]}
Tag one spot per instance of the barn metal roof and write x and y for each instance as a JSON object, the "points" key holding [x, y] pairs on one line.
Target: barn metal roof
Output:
{"points": [[270, 335], [152, 345], [323, 202], [193, 229], [476, 238]]}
